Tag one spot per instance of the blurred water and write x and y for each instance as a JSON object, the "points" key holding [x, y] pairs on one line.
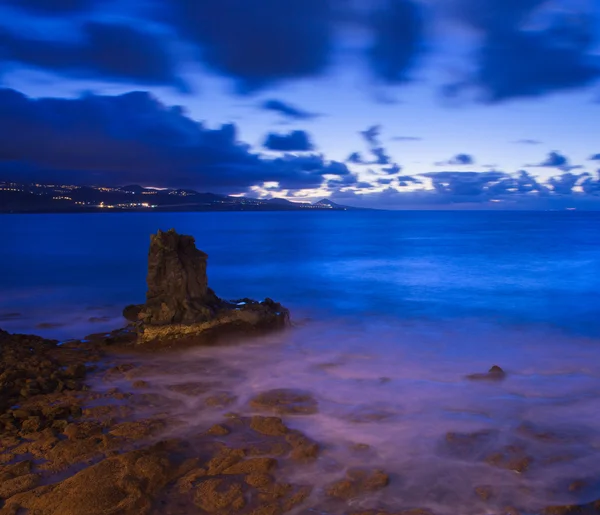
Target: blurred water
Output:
{"points": [[392, 311], [512, 267]]}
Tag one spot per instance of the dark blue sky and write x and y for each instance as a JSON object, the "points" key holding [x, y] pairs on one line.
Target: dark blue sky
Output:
{"points": [[395, 103]]}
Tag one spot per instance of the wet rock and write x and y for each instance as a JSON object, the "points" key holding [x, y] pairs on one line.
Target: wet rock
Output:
{"points": [[227, 457], [132, 312], [592, 508], [271, 426], [303, 448], [494, 374], [220, 495], [220, 400], [218, 430], [531, 431], [484, 492], [286, 401], [18, 485], [15, 470], [179, 303], [123, 484], [358, 482], [252, 466], [140, 383], [191, 389], [512, 458], [138, 429]]}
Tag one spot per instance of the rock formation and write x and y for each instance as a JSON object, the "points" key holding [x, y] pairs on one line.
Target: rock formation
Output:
{"points": [[179, 302]]}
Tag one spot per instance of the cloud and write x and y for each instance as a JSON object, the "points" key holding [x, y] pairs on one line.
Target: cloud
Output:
{"points": [[108, 51], [591, 186], [398, 33], [595, 157], [557, 160], [409, 178], [463, 183], [260, 42], [134, 138], [381, 158], [298, 141], [528, 142], [355, 157], [287, 110], [371, 135], [392, 170], [521, 58], [406, 138], [564, 184], [458, 159]]}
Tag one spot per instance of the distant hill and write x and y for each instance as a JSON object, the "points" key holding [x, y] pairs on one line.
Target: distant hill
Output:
{"points": [[68, 198], [330, 204]]}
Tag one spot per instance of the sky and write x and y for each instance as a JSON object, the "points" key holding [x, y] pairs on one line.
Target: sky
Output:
{"points": [[400, 104]]}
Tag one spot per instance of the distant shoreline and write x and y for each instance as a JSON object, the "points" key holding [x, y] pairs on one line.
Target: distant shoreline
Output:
{"points": [[164, 210]]}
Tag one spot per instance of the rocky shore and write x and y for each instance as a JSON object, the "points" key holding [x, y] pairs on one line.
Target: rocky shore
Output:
{"points": [[83, 431], [86, 428], [179, 303]]}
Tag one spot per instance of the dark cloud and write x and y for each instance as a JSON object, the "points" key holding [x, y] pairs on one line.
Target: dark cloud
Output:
{"points": [[528, 142], [259, 42], [134, 138], [287, 110], [409, 178], [53, 7], [108, 51], [295, 141], [406, 138], [371, 135], [595, 157], [458, 159], [520, 59], [392, 169], [385, 181], [557, 160], [398, 30], [355, 157], [563, 184], [591, 186], [381, 158], [463, 183]]}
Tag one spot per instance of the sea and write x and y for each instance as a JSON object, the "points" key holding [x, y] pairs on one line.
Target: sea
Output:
{"points": [[391, 311]]}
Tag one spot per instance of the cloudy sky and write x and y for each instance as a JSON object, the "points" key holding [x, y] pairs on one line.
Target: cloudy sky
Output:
{"points": [[390, 103]]}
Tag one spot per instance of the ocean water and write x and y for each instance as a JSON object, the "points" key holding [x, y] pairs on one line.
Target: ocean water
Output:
{"points": [[391, 311]]}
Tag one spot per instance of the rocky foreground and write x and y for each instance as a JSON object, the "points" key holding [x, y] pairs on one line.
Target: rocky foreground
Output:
{"points": [[69, 449], [71, 443]]}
